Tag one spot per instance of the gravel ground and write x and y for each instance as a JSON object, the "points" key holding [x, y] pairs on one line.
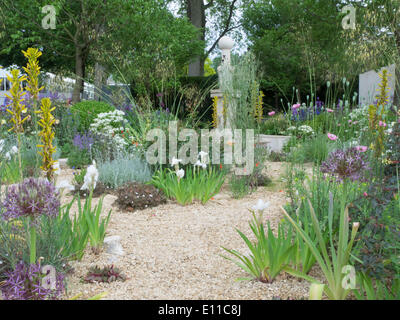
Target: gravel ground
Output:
{"points": [[174, 252]]}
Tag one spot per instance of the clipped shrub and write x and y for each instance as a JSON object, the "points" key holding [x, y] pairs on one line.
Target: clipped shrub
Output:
{"points": [[135, 196], [123, 169], [87, 111]]}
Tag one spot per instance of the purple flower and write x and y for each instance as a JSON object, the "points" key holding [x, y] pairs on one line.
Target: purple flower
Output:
{"points": [[27, 283], [31, 198], [346, 164], [83, 142]]}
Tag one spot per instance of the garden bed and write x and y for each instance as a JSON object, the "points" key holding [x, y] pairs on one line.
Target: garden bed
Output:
{"points": [[174, 252]]}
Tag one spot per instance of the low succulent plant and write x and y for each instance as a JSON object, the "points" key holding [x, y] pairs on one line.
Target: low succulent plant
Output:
{"points": [[106, 274], [135, 196]]}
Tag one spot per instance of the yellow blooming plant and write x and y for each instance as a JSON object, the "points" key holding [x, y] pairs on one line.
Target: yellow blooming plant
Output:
{"points": [[32, 69], [377, 114], [17, 109], [46, 122], [259, 107], [215, 112]]}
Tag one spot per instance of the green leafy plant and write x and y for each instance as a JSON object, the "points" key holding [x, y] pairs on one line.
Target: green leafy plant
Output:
{"points": [[269, 255], [314, 150], [333, 258], [96, 226], [87, 111], [78, 158], [376, 290], [199, 184], [302, 257], [74, 235], [239, 186], [275, 125]]}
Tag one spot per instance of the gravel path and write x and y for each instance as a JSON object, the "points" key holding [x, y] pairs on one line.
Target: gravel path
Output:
{"points": [[174, 252]]}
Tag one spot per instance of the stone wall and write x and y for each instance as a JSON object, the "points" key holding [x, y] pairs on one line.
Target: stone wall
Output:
{"points": [[369, 84]]}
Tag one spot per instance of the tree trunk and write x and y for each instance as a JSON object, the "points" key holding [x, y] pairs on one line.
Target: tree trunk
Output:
{"points": [[79, 74], [197, 16], [396, 98], [98, 81]]}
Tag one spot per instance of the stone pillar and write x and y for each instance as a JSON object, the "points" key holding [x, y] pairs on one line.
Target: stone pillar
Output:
{"points": [[220, 107], [225, 44]]}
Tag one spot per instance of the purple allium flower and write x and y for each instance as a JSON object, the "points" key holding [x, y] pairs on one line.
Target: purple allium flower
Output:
{"points": [[83, 142], [31, 198], [27, 283], [346, 164]]}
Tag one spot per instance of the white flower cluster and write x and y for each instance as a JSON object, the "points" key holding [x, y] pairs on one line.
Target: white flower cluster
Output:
{"points": [[10, 153], [360, 116], [91, 177], [180, 173], [202, 162], [110, 124], [303, 130]]}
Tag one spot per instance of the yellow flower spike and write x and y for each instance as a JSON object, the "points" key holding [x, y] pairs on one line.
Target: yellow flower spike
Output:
{"points": [[47, 135], [15, 108], [259, 107], [215, 112], [33, 71], [376, 114]]}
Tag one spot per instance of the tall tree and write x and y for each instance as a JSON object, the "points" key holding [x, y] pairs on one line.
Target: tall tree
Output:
{"points": [[86, 30], [222, 14], [298, 43], [77, 31], [376, 39]]}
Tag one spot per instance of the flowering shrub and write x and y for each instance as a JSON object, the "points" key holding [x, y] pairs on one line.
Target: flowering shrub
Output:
{"points": [[301, 131], [31, 198], [111, 124], [26, 283], [346, 164]]}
